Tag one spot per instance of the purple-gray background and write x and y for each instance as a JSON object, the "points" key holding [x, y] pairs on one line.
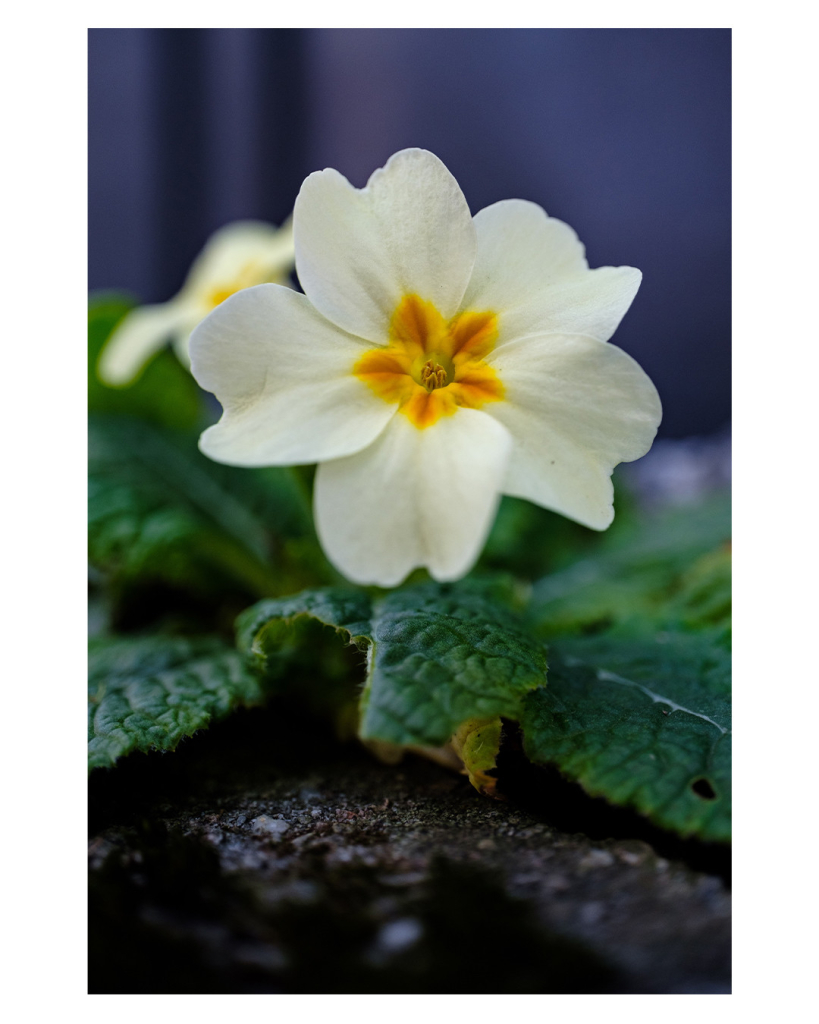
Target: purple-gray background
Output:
{"points": [[623, 133]]}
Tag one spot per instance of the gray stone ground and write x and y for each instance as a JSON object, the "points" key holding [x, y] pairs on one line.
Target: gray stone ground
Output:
{"points": [[238, 863]]}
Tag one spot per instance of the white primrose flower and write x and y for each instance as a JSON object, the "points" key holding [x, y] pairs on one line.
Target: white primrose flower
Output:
{"points": [[237, 256], [435, 362]]}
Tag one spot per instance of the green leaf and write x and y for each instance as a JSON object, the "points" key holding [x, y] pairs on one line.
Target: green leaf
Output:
{"points": [[641, 577], [677, 530], [637, 709], [642, 721], [148, 693], [159, 510], [165, 393], [704, 596], [437, 655], [529, 541]]}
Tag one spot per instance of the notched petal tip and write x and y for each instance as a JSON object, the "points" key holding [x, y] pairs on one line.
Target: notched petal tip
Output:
{"points": [[411, 155], [414, 498], [360, 251], [310, 181]]}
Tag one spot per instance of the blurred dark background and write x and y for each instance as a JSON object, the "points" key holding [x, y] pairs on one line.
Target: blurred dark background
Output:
{"points": [[623, 133]]}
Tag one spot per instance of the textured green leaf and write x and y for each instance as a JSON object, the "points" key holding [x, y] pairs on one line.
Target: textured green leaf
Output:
{"points": [[160, 511], [643, 577], [642, 721], [437, 655], [148, 693], [165, 393]]}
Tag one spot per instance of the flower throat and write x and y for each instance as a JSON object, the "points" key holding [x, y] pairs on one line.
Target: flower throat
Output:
{"points": [[431, 366]]}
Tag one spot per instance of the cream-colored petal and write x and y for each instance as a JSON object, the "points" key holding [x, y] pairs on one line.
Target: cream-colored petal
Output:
{"points": [[359, 251], [575, 407], [520, 250], [138, 337], [413, 498], [284, 377], [242, 254], [531, 270]]}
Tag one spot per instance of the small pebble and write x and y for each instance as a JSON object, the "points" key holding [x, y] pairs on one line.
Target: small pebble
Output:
{"points": [[269, 826]]}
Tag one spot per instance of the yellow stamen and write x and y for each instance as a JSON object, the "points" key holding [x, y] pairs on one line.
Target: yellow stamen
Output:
{"points": [[433, 375]]}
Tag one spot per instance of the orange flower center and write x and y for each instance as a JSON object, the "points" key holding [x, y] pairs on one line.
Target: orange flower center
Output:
{"points": [[432, 367]]}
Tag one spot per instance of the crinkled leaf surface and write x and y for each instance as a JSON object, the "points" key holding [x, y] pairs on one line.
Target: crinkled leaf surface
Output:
{"points": [[148, 693], [642, 721], [160, 510], [165, 393], [437, 655]]}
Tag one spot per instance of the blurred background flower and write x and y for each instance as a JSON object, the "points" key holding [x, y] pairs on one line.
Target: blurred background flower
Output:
{"points": [[238, 255], [623, 133]]}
